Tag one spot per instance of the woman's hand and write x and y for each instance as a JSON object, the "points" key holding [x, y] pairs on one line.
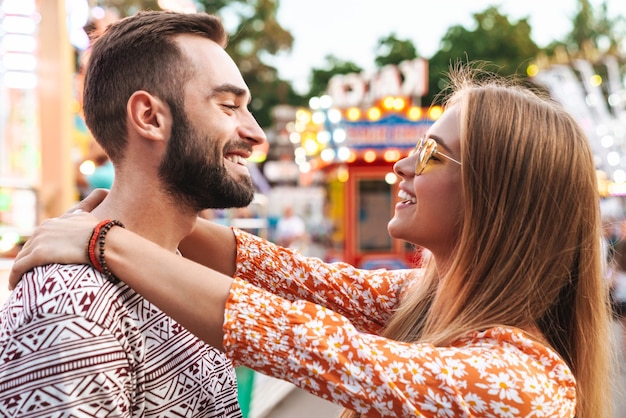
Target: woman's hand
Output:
{"points": [[90, 202], [61, 240]]}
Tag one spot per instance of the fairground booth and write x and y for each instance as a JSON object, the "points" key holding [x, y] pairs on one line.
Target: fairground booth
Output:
{"points": [[348, 141], [42, 135], [35, 117]]}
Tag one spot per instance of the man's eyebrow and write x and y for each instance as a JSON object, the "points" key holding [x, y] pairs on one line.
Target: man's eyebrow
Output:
{"points": [[229, 88]]}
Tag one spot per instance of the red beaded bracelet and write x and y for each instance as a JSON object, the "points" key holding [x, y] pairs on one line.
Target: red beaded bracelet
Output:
{"points": [[95, 249], [91, 246]]}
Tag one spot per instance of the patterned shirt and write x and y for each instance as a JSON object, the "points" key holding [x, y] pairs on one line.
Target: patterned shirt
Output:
{"points": [[72, 344], [333, 350]]}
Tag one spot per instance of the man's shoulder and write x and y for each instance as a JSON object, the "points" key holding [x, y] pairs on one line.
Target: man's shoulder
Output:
{"points": [[69, 290], [64, 279]]}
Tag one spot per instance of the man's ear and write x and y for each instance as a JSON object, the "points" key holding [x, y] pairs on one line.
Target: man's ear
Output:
{"points": [[149, 116]]}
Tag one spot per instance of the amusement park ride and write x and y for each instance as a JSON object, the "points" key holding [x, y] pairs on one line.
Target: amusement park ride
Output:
{"points": [[594, 92]]}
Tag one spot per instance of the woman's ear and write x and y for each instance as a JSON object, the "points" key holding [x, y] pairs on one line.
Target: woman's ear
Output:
{"points": [[149, 116]]}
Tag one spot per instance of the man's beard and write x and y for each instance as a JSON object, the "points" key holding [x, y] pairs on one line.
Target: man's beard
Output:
{"points": [[194, 173]]}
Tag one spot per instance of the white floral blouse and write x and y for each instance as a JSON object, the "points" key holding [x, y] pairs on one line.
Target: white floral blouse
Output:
{"points": [[317, 328]]}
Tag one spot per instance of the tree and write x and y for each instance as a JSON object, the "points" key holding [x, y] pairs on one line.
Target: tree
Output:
{"points": [[391, 50], [256, 37], [321, 76], [508, 46], [594, 26]]}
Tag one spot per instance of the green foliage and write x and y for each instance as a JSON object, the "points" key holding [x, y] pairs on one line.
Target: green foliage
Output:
{"points": [[594, 27], [508, 46], [391, 50], [256, 37], [333, 66], [213, 6]]}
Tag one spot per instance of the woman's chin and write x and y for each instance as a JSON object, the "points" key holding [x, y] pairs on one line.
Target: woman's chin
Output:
{"points": [[395, 228]]}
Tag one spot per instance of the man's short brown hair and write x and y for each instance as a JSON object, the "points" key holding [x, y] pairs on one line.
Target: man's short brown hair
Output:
{"points": [[139, 53]]}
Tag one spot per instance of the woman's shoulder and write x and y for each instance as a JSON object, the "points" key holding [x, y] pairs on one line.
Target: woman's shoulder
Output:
{"points": [[501, 335], [515, 342], [510, 363]]}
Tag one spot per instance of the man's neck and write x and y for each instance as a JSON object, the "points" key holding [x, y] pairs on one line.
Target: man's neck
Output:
{"points": [[148, 213]]}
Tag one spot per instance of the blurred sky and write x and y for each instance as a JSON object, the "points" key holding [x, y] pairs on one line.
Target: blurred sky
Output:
{"points": [[350, 29]]}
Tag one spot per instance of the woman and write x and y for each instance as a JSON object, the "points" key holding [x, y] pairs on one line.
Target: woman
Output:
{"points": [[509, 316]]}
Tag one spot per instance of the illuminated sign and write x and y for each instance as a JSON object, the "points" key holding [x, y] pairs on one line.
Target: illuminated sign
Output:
{"points": [[392, 131], [407, 79], [19, 44]]}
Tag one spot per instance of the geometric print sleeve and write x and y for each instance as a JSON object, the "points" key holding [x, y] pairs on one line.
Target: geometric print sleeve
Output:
{"points": [[46, 372], [499, 372], [366, 297], [72, 344]]}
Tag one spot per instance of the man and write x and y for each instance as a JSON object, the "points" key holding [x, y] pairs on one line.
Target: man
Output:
{"points": [[169, 107]]}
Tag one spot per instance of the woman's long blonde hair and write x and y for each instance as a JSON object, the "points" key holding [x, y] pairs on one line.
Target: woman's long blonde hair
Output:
{"points": [[529, 253]]}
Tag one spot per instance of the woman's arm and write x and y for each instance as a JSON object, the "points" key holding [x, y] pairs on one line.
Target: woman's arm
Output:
{"points": [[366, 297], [211, 245], [190, 293]]}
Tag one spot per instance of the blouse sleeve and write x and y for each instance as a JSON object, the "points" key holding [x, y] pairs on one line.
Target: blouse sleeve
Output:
{"points": [[365, 297], [498, 372]]}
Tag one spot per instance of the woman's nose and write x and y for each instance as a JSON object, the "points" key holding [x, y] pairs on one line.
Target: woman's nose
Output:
{"points": [[405, 166]]}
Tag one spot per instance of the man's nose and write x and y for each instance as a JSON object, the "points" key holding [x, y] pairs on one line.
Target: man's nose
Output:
{"points": [[252, 132]]}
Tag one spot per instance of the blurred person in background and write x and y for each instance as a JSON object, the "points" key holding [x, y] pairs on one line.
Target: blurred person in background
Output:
{"points": [[291, 230], [617, 278], [96, 171], [94, 167]]}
